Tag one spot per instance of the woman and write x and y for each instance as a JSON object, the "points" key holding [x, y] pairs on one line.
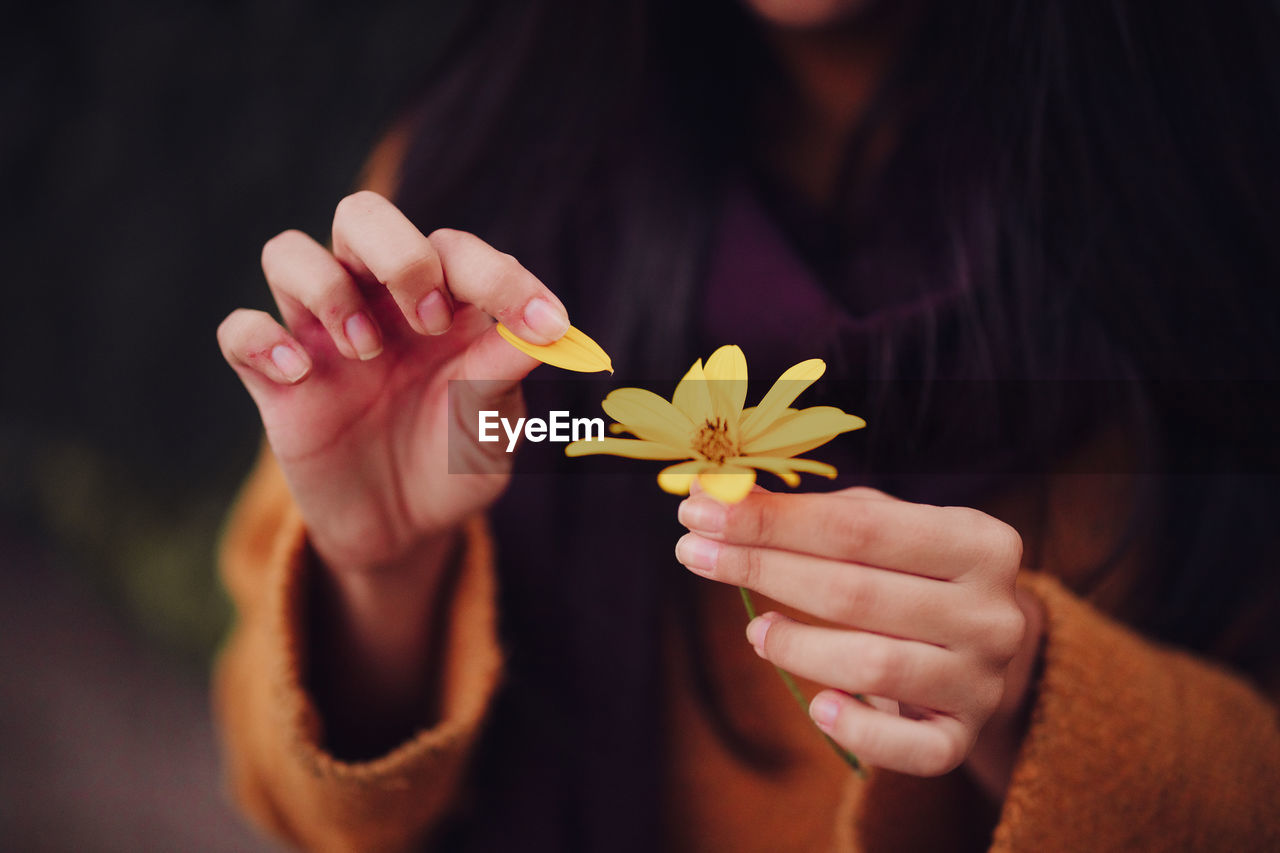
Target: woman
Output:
{"points": [[964, 212]]}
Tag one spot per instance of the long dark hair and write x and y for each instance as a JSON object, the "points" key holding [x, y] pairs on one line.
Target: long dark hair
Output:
{"points": [[1089, 177]]}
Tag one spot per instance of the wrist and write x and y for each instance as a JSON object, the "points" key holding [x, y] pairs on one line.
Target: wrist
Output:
{"points": [[397, 581], [374, 642]]}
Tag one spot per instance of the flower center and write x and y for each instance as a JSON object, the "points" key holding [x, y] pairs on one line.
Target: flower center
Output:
{"points": [[713, 442]]}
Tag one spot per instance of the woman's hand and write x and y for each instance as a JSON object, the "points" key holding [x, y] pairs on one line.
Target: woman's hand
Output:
{"points": [[354, 393], [353, 389], [919, 610]]}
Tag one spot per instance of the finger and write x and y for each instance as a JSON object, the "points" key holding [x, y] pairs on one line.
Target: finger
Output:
{"points": [[872, 599], [310, 285], [260, 350], [490, 380], [927, 747], [860, 662], [497, 284], [490, 359], [863, 526], [379, 244]]}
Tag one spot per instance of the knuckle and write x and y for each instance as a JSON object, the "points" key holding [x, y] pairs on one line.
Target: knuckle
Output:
{"points": [[444, 235], [997, 546], [234, 329], [750, 566], [277, 246], [855, 598], [414, 266], [749, 521], [233, 323], [967, 518], [865, 493], [940, 755], [358, 203], [851, 527], [1005, 629], [510, 274], [333, 290], [1005, 545], [226, 334], [878, 665]]}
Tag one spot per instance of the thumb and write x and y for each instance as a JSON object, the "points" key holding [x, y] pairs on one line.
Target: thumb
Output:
{"points": [[495, 363]]}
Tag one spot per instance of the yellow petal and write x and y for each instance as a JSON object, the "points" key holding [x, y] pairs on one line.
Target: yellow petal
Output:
{"points": [[648, 416], [632, 448], [790, 385], [773, 466], [801, 447], [786, 468], [806, 425], [727, 484], [574, 351], [726, 373], [759, 425], [727, 363], [677, 478], [691, 396]]}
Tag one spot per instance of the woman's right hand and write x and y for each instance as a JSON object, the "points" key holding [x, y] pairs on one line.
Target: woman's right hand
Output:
{"points": [[353, 389]]}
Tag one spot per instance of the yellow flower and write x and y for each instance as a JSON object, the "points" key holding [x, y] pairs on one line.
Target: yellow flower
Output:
{"points": [[706, 424]]}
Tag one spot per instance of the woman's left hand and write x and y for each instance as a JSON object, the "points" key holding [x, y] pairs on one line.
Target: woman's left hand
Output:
{"points": [[921, 614]]}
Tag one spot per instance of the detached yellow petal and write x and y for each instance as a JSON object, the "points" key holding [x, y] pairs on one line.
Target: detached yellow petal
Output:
{"points": [[574, 351], [727, 483], [676, 479], [790, 385], [804, 426], [648, 416], [633, 448]]}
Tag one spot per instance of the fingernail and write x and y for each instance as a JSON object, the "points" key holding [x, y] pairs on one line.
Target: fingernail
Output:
{"points": [[363, 335], [757, 630], [697, 553], [543, 318], [289, 363], [707, 516], [824, 709], [434, 313]]}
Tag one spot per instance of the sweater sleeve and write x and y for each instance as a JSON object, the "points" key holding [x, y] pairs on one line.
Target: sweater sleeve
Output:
{"points": [[1131, 746], [273, 736]]}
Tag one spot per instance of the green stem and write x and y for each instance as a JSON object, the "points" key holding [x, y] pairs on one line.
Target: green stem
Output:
{"points": [[794, 689]]}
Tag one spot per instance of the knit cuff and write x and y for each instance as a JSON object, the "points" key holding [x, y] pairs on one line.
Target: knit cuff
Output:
{"points": [[469, 668], [280, 771], [1130, 746], [1133, 745]]}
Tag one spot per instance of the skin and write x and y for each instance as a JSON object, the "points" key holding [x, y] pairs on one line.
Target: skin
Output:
{"points": [[919, 612], [360, 422], [352, 387]]}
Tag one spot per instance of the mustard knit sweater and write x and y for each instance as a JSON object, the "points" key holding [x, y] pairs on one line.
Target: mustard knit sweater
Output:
{"points": [[1131, 746]]}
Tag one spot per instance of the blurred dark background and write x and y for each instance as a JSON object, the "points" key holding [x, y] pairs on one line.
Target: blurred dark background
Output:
{"points": [[147, 150]]}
